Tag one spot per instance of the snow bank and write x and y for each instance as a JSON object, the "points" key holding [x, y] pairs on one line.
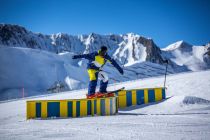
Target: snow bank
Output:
{"points": [[195, 100], [36, 70]]}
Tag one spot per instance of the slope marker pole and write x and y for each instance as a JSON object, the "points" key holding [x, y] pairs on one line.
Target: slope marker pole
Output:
{"points": [[165, 75]]}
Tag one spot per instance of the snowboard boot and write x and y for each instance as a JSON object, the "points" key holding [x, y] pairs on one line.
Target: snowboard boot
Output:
{"points": [[96, 95], [110, 95], [100, 95], [92, 96]]}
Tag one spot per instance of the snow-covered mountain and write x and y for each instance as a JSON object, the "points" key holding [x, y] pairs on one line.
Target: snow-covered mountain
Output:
{"points": [[128, 48], [192, 57], [37, 62]]}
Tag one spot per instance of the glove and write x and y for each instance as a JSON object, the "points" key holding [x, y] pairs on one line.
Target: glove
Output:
{"points": [[74, 57], [165, 61], [121, 71]]}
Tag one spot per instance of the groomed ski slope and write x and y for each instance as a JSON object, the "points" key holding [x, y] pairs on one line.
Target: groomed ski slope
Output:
{"points": [[184, 115]]}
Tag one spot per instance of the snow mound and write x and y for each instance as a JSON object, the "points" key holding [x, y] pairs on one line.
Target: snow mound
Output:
{"points": [[39, 71], [195, 100], [36, 71]]}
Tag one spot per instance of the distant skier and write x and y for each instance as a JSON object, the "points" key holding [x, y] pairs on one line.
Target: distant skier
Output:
{"points": [[96, 61]]}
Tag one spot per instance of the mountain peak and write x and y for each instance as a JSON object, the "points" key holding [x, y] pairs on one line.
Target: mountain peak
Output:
{"points": [[181, 45], [131, 34], [12, 28]]}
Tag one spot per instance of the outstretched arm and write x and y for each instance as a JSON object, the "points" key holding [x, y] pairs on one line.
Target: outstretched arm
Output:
{"points": [[86, 56], [114, 63]]}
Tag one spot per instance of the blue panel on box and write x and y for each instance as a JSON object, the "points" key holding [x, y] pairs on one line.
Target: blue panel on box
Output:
{"points": [[111, 107], [103, 109], [163, 93], [151, 95], [129, 98], [78, 108], [140, 97], [70, 109], [38, 110], [88, 107], [53, 109]]}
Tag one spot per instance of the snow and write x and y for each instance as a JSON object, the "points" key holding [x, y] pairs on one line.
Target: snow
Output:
{"points": [[185, 114], [173, 46], [38, 70], [184, 54], [130, 50]]}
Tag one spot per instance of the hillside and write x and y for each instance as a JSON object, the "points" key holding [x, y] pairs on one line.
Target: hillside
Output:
{"points": [[184, 115], [36, 71]]}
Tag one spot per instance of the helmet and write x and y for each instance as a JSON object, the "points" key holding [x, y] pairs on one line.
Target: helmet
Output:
{"points": [[103, 48]]}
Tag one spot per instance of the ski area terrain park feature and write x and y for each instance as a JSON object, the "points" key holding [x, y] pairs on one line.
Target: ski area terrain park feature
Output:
{"points": [[90, 107], [140, 96], [71, 108]]}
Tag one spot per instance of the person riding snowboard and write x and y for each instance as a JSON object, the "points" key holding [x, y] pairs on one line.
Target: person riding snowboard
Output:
{"points": [[96, 61]]}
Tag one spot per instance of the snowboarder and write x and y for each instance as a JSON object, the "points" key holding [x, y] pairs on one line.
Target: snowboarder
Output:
{"points": [[96, 61]]}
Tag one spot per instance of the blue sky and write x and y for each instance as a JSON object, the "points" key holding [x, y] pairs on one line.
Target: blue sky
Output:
{"points": [[165, 21]]}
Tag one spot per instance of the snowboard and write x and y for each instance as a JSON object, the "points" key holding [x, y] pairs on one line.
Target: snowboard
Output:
{"points": [[108, 93], [120, 89]]}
